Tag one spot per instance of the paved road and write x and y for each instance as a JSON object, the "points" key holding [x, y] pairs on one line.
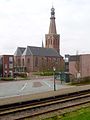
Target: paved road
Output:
{"points": [[17, 88]]}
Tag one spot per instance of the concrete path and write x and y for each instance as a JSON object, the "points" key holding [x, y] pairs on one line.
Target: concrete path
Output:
{"points": [[25, 87]]}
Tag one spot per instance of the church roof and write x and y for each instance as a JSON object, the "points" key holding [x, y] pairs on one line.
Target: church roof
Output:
{"points": [[19, 51], [40, 51]]}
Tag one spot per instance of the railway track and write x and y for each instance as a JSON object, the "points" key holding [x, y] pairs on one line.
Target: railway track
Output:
{"points": [[30, 109]]}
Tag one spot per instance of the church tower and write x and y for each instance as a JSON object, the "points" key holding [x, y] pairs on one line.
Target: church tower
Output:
{"points": [[52, 39]]}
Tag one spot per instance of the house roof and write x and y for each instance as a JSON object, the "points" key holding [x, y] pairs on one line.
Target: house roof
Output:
{"points": [[40, 51], [74, 57], [19, 51]]}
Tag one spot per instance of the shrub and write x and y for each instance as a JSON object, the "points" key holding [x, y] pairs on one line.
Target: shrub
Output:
{"points": [[7, 78], [44, 73], [21, 74], [84, 80]]}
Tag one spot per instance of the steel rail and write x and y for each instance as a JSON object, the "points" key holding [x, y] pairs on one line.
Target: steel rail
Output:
{"points": [[52, 110], [81, 99]]}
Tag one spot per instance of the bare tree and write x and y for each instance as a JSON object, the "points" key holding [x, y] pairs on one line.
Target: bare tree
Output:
{"points": [[77, 65]]}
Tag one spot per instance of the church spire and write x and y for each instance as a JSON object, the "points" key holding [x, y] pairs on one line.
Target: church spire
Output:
{"points": [[52, 27], [52, 39]]}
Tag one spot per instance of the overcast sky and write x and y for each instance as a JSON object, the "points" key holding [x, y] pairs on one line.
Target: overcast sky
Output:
{"points": [[25, 22]]}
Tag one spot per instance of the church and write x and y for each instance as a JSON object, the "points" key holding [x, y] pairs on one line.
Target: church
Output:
{"points": [[36, 59]]}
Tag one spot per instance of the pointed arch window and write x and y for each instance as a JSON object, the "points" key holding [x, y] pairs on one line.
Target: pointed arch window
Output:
{"points": [[46, 42], [54, 42], [36, 61], [23, 62], [18, 62], [28, 60], [51, 41]]}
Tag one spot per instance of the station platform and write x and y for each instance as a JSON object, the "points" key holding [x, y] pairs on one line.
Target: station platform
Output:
{"points": [[44, 94]]}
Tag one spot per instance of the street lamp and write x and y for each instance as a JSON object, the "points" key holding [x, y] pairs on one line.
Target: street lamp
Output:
{"points": [[54, 69]]}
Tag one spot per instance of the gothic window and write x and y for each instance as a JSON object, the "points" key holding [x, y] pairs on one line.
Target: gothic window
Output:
{"points": [[54, 42], [18, 61], [51, 42], [28, 61], [36, 61], [23, 62], [46, 42]]}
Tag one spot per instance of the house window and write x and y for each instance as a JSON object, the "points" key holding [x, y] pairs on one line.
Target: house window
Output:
{"points": [[5, 66], [54, 42], [10, 59], [10, 66]]}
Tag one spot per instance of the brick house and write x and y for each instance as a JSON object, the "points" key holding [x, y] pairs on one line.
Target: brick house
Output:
{"points": [[6, 65], [78, 63]]}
